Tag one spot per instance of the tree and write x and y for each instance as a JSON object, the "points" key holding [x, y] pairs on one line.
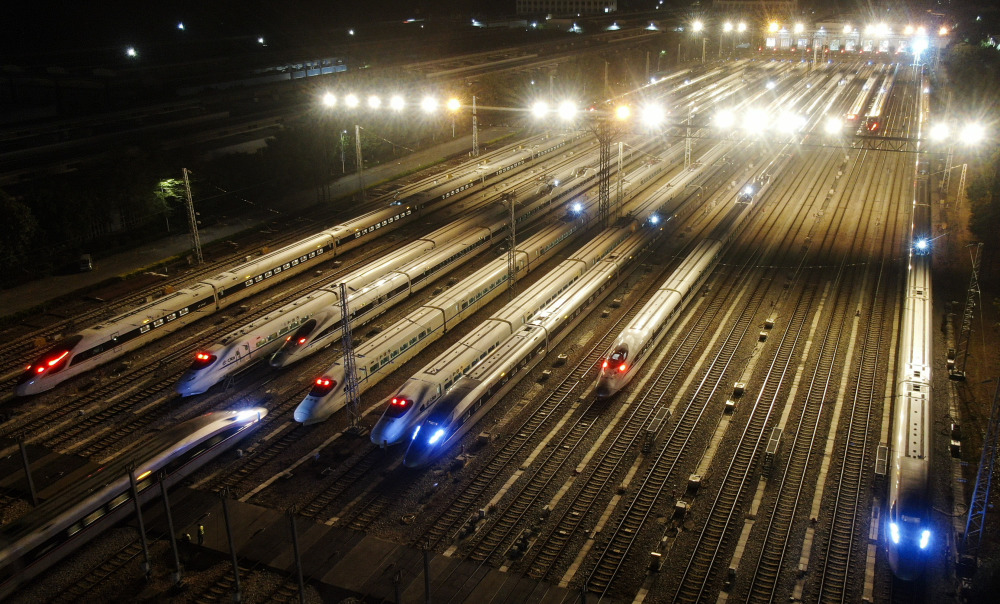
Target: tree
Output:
{"points": [[16, 232]]}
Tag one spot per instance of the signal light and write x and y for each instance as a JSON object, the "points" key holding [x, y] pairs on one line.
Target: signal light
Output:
{"points": [[322, 386], [202, 360], [302, 341], [402, 403], [622, 367]]}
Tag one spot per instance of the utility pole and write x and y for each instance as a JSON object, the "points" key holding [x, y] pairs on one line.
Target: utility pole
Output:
{"points": [[511, 251], [603, 132], [350, 371], [475, 129], [687, 139], [193, 220], [361, 165], [621, 183], [968, 312]]}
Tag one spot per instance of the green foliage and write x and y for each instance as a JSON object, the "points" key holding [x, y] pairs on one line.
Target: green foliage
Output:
{"points": [[974, 78], [16, 232]]}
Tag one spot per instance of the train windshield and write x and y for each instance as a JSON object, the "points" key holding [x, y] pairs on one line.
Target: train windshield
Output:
{"points": [[301, 335]]}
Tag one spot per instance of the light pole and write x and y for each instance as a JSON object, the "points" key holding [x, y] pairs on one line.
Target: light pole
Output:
{"points": [[726, 28], [698, 27]]}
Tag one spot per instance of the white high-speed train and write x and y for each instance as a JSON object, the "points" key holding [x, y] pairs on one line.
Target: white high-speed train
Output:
{"points": [[474, 393], [420, 391], [376, 281], [111, 339], [909, 526], [647, 328]]}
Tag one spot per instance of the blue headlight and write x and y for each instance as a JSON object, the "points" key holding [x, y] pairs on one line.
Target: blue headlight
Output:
{"points": [[925, 538], [436, 436], [894, 532], [922, 244], [415, 433]]}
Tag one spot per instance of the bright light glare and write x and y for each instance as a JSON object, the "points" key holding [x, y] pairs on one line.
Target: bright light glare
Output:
{"points": [[883, 29], [567, 110], [653, 115], [799, 28], [755, 120], [415, 432], [790, 122], [697, 26], [131, 52], [622, 112], [921, 244], [925, 538], [396, 103], [654, 219], [894, 532], [833, 125], [939, 132], [247, 415], [919, 45], [329, 100], [374, 102], [577, 207], [973, 134], [770, 85], [436, 436], [727, 26], [742, 27], [774, 26], [260, 40], [351, 101], [725, 119], [429, 104], [180, 26], [943, 31], [847, 28], [908, 30], [540, 109], [453, 104]]}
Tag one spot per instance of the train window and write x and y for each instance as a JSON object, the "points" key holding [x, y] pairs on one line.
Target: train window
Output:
{"points": [[92, 517], [76, 528], [117, 501]]}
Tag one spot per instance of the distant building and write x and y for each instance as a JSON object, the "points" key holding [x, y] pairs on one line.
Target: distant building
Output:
{"points": [[763, 9], [566, 7]]}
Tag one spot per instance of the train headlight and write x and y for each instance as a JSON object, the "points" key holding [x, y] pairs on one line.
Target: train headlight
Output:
{"points": [[415, 431], [925, 538], [247, 415], [436, 436], [921, 245], [894, 532]]}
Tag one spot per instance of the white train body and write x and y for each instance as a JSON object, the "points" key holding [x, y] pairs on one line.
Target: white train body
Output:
{"points": [[647, 328], [109, 340], [320, 309], [474, 393], [909, 527]]}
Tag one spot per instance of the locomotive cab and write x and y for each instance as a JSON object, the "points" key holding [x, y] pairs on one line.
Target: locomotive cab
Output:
{"points": [[613, 369]]}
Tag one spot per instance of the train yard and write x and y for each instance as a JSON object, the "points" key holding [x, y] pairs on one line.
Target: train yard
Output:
{"points": [[685, 403]]}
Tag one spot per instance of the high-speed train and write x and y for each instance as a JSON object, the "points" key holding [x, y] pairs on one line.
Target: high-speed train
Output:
{"points": [[408, 336], [420, 391], [875, 116], [474, 393], [861, 102], [648, 327], [92, 501], [539, 197], [909, 534], [128, 331], [376, 281], [313, 322]]}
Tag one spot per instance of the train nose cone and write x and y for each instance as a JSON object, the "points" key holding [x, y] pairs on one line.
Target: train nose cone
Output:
{"points": [[304, 413], [279, 359], [385, 433], [604, 388]]}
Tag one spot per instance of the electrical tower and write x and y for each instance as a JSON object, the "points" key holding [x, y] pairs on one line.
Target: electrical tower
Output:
{"points": [[973, 537], [508, 198], [602, 129], [350, 371], [193, 219], [968, 312], [361, 163]]}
